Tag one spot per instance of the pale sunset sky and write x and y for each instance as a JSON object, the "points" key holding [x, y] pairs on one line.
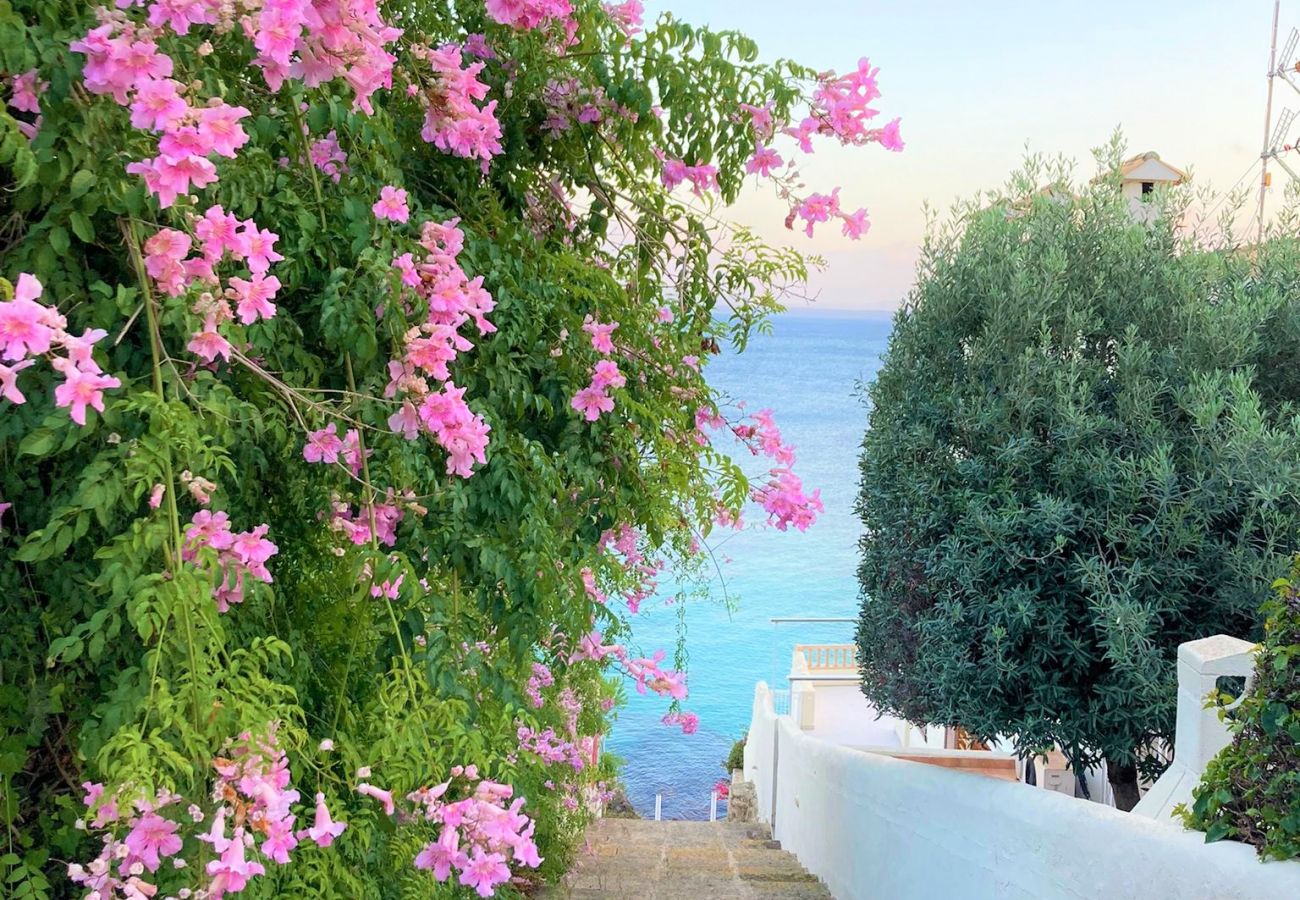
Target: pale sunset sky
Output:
{"points": [[976, 83]]}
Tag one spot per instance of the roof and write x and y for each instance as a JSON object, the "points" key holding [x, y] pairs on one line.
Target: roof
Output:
{"points": [[1150, 167]]}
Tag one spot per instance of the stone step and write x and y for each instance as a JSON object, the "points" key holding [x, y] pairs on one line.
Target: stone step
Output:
{"points": [[694, 860]]}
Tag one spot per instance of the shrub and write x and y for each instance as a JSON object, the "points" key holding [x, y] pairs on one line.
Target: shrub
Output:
{"points": [[1081, 453], [736, 758], [1251, 791]]}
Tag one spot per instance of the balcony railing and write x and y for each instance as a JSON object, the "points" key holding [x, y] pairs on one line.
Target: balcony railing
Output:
{"points": [[829, 657]]}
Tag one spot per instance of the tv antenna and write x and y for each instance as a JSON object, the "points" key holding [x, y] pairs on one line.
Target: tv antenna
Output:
{"points": [[1286, 66]]}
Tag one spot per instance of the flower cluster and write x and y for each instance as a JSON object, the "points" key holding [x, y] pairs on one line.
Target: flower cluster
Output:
{"points": [[594, 399], [238, 555], [481, 833], [449, 299], [524, 14], [688, 721], [550, 747], [627, 15], [220, 236], [319, 40], [251, 791], [621, 546], [782, 495], [124, 62], [703, 177], [125, 862], [541, 678], [646, 672], [453, 120], [29, 329], [386, 516], [840, 109]]}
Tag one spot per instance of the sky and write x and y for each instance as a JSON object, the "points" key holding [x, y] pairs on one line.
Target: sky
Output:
{"points": [[979, 84]]}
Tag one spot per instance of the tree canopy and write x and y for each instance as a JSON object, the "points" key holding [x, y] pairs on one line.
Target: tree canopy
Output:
{"points": [[1082, 452]]}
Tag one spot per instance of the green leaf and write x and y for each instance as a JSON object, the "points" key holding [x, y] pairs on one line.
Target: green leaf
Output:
{"points": [[83, 181], [81, 227]]}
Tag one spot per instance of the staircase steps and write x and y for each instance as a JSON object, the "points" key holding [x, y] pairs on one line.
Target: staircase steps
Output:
{"points": [[646, 860]]}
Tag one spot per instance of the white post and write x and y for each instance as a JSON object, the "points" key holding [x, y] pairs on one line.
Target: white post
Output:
{"points": [[659, 806], [713, 806]]}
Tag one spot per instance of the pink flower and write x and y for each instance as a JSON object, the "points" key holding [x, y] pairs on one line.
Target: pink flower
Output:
{"points": [[81, 389], [856, 225], [606, 375], [169, 177], [158, 105], [230, 873], [819, 208], [626, 15], [257, 246], [151, 837], [156, 495], [391, 204], [218, 231], [253, 550], [524, 14], [180, 14], [23, 327], [384, 797], [208, 344], [442, 855], [890, 138], [600, 334], [254, 297], [9, 381], [591, 402], [465, 443], [325, 829], [219, 126], [764, 160], [484, 872], [323, 445], [26, 91]]}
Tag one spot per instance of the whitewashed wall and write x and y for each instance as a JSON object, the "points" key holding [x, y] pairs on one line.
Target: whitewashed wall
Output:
{"points": [[874, 827]]}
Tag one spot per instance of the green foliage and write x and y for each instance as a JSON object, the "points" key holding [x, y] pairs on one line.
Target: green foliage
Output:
{"points": [[116, 665], [1251, 791], [1083, 451], [736, 757]]}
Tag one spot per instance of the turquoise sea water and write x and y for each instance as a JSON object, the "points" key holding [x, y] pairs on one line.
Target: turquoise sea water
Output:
{"points": [[807, 372]]}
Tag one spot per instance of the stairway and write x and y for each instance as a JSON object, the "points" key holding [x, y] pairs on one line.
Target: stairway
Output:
{"points": [[635, 858]]}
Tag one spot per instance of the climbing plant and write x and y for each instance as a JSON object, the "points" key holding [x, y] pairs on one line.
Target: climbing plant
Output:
{"points": [[353, 363]]}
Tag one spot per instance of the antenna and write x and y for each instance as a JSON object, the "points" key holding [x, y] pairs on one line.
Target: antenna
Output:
{"points": [[1267, 150], [1287, 55], [1280, 132]]}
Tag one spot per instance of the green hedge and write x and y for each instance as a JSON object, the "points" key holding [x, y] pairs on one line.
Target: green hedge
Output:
{"points": [[1251, 790]]}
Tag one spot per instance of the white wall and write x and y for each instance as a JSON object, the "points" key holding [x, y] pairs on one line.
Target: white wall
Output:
{"points": [[875, 827]]}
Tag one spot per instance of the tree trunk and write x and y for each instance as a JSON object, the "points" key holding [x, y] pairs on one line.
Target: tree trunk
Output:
{"points": [[1123, 779]]}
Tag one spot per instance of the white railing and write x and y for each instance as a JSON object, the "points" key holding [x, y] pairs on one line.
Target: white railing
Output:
{"points": [[781, 702], [870, 826], [823, 657]]}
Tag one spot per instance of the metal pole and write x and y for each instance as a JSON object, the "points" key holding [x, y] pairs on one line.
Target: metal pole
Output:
{"points": [[713, 806], [1268, 122], [659, 806]]}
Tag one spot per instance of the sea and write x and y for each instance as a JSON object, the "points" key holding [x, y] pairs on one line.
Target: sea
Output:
{"points": [[810, 372]]}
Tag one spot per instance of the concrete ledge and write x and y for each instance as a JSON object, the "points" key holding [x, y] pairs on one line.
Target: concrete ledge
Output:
{"points": [[872, 826]]}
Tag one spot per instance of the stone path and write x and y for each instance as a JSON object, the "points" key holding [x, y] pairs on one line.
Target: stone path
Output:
{"points": [[643, 860]]}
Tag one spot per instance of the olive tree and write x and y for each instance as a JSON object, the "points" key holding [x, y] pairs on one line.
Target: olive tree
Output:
{"points": [[1082, 452]]}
